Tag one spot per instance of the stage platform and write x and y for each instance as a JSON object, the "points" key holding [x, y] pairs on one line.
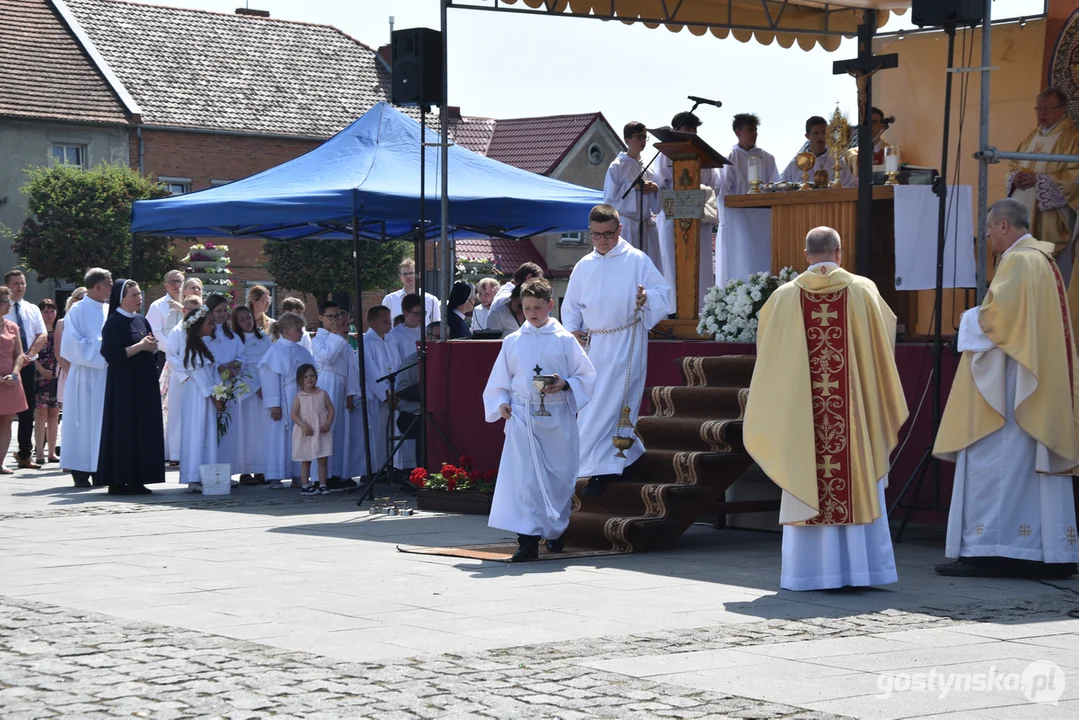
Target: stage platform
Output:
{"points": [[458, 371]]}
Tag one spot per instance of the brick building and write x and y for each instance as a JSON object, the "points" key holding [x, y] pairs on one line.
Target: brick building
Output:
{"points": [[199, 99]]}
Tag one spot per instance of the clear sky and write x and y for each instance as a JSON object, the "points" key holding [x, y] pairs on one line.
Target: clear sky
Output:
{"points": [[507, 66]]}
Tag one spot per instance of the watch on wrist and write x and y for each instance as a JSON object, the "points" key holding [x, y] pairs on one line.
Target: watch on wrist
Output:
{"points": [[565, 388]]}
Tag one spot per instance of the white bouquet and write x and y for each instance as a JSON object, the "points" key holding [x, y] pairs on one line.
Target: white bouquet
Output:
{"points": [[730, 313], [232, 387]]}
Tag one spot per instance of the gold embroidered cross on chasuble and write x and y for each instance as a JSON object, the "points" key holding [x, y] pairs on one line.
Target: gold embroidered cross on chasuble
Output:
{"points": [[825, 403]]}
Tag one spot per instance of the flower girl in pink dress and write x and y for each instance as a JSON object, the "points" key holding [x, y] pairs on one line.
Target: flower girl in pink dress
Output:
{"points": [[312, 415]]}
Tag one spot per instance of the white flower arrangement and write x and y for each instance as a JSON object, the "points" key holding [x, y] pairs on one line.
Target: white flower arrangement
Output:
{"points": [[232, 387], [731, 313]]}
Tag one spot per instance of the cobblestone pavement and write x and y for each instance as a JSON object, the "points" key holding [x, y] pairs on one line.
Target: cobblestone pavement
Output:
{"points": [[56, 662]]}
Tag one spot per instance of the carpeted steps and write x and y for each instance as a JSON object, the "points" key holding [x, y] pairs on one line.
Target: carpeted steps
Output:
{"points": [[694, 453]]}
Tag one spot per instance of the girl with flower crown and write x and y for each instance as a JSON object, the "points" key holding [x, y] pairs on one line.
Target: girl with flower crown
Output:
{"points": [[228, 351], [198, 443]]}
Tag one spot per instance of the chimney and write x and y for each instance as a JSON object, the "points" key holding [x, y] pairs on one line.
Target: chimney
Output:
{"points": [[385, 55], [252, 12]]}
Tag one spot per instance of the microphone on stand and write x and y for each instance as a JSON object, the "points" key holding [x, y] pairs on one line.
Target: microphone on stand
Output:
{"points": [[703, 101]]}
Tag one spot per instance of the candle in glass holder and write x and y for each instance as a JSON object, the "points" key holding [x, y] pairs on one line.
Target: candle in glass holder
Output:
{"points": [[891, 159], [754, 170]]}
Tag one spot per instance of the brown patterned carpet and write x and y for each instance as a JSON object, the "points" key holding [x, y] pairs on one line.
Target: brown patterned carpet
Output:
{"points": [[693, 454]]}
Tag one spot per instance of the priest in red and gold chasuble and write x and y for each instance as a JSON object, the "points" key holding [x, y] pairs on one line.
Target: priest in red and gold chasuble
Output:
{"points": [[823, 417]]}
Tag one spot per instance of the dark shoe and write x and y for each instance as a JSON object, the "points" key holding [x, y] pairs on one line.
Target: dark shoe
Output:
{"points": [[25, 463], [141, 490], [82, 479], [336, 484], [247, 479], [555, 546], [596, 486], [119, 490], [260, 478], [527, 548], [964, 568]]}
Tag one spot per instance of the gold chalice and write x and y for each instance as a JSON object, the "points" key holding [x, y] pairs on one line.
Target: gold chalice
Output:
{"points": [[805, 162], [541, 382]]}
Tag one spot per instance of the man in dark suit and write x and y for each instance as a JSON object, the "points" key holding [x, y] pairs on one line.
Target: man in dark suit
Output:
{"points": [[461, 302]]}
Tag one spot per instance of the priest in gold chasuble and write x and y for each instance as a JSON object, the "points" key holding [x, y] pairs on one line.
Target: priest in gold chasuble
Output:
{"points": [[1010, 425], [1049, 189], [824, 411]]}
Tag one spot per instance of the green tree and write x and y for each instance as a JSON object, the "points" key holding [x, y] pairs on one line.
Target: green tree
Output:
{"points": [[80, 219], [322, 267]]}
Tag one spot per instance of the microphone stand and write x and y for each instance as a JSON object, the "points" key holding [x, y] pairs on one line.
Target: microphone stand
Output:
{"points": [[388, 471]]}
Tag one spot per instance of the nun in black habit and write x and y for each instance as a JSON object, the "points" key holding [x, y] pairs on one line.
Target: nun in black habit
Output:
{"points": [[132, 430]]}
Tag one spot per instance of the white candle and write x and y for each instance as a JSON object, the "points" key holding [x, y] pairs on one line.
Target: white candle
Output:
{"points": [[891, 163], [754, 173]]}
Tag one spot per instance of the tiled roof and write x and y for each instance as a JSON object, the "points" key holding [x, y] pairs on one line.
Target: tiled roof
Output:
{"points": [[473, 133], [538, 144], [207, 70], [507, 254], [43, 71]]}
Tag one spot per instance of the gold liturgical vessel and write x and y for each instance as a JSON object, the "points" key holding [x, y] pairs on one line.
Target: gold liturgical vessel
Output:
{"points": [[838, 140], [805, 162]]}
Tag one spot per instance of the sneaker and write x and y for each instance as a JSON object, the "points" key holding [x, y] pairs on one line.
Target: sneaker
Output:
{"points": [[323, 490], [310, 489], [195, 487], [339, 484]]}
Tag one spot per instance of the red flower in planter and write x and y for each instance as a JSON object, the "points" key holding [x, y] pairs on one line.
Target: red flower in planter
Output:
{"points": [[451, 484], [466, 462], [418, 477], [449, 471]]}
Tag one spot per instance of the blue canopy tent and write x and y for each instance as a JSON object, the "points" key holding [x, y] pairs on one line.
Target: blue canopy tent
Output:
{"points": [[371, 171], [365, 183]]}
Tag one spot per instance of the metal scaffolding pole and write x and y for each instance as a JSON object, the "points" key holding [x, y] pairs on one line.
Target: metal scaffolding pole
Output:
{"points": [[446, 260], [992, 155], [983, 142]]}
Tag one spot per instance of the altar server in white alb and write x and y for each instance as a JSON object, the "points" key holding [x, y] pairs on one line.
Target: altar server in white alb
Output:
{"points": [[621, 177], [744, 245], [199, 440], [817, 135], [615, 296], [84, 388], [1011, 425], [403, 339], [332, 357], [379, 360], [251, 419], [278, 374], [718, 183], [538, 469], [228, 351], [177, 373], [822, 419]]}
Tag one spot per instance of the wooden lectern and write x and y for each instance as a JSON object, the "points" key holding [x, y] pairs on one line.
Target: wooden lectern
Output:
{"points": [[689, 154]]}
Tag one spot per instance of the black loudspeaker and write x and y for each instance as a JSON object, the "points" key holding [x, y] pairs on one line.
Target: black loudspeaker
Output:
{"points": [[947, 12], [416, 64]]}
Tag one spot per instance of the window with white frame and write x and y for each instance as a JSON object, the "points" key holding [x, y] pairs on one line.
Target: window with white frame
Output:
{"points": [[69, 154], [175, 185], [572, 238]]}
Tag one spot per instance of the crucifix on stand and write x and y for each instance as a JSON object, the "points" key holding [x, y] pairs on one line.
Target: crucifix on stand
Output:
{"points": [[862, 68]]}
